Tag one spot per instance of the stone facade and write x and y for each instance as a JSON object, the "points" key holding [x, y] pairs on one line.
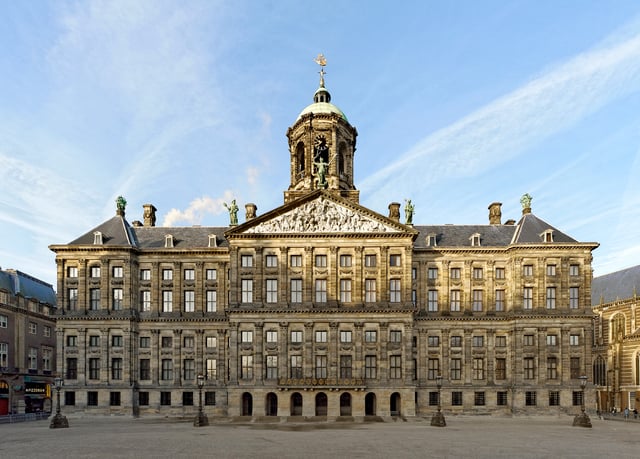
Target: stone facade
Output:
{"points": [[322, 307]]}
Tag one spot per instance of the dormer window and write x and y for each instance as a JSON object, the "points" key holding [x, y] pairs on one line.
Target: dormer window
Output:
{"points": [[547, 236], [475, 240], [97, 238], [168, 241], [213, 242], [431, 240]]}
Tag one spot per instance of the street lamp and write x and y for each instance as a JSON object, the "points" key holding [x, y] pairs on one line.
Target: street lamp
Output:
{"points": [[201, 419], [437, 419], [59, 421], [582, 420]]}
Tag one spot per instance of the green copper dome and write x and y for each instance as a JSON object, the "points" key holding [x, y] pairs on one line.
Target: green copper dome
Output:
{"points": [[322, 104]]}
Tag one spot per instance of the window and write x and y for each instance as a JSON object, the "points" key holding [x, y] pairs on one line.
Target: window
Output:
{"points": [[345, 261], [370, 366], [212, 369], [94, 299], [117, 271], [271, 261], [247, 290], [212, 300], [272, 367], [69, 398], [476, 305], [432, 240], [527, 298], [145, 369], [94, 368], [414, 297], [433, 368], [296, 337], [92, 398], [370, 261], [395, 336], [454, 273], [501, 369], [321, 366], [477, 273], [478, 341], [478, 398], [47, 331], [4, 321], [394, 290], [455, 300], [321, 261], [94, 341], [295, 261], [433, 341], [456, 341], [575, 367], [165, 398], [72, 340], [212, 274], [574, 297], [72, 296], [145, 342], [395, 366], [455, 369], [33, 328], [552, 340], [272, 290], [529, 368], [271, 336], [554, 398], [296, 290], [145, 301], [574, 340], [145, 274], [501, 341], [345, 290], [188, 342], [116, 368], [478, 368], [500, 273], [189, 274], [167, 301], [501, 399], [432, 301], [116, 341], [209, 398], [246, 336], [527, 270], [345, 336], [551, 297], [116, 304], [321, 336], [166, 341], [370, 336], [167, 370], [530, 398], [414, 273], [574, 270], [94, 272], [143, 398], [370, 290], [552, 368], [551, 270], [577, 398], [345, 366], [212, 341], [188, 370], [296, 366], [72, 271], [72, 368], [527, 340], [187, 398], [499, 300], [167, 274], [321, 290], [456, 398], [394, 260], [246, 261], [432, 273]]}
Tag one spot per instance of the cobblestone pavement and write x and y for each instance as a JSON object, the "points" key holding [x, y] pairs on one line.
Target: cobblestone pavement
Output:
{"points": [[464, 437]]}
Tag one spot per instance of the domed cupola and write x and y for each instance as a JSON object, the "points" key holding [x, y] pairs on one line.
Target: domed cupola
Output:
{"points": [[322, 145]]}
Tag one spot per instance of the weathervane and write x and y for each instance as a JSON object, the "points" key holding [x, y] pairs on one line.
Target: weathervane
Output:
{"points": [[321, 61]]}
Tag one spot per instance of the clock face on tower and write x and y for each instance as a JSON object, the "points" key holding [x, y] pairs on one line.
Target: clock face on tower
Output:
{"points": [[320, 143]]}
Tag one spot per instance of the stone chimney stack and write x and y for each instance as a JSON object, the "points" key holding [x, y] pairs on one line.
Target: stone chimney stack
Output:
{"points": [[394, 211], [149, 215], [495, 213], [251, 210]]}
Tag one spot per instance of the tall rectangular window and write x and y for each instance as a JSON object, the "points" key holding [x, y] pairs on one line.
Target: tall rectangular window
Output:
{"points": [[167, 370], [552, 368], [433, 368], [499, 300], [395, 336], [454, 273], [370, 261], [370, 336], [92, 398], [432, 273], [116, 368], [296, 366], [246, 261], [551, 297], [188, 370], [117, 272], [370, 367], [574, 297], [394, 260], [94, 368], [574, 270], [454, 298], [71, 368], [321, 290], [72, 296], [345, 336], [212, 300], [94, 299], [527, 270], [145, 369], [370, 290], [529, 368], [167, 301], [189, 301], [167, 274], [395, 366], [145, 342], [94, 272], [116, 341], [212, 274], [212, 369], [295, 261], [345, 261], [271, 261], [345, 290], [501, 341], [477, 300], [478, 368], [246, 336], [33, 328], [47, 353], [189, 274], [528, 340], [574, 340], [321, 366], [72, 271], [477, 273], [145, 301], [552, 340], [321, 261], [554, 398], [574, 365], [394, 290], [501, 369], [478, 341], [500, 273], [551, 270], [433, 341], [296, 336], [432, 301], [455, 369], [247, 290], [272, 367], [345, 367], [527, 298], [33, 358], [272, 290], [211, 342], [321, 336], [145, 274], [456, 341], [296, 290], [530, 398]]}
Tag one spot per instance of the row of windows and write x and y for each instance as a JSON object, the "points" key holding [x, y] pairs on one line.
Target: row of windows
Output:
{"points": [[143, 398], [321, 336], [117, 297], [499, 273], [166, 371], [479, 398], [145, 341], [31, 358], [320, 261], [145, 274], [477, 299], [33, 326]]}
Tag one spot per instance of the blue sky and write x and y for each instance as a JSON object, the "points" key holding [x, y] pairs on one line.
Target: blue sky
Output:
{"points": [[185, 105]]}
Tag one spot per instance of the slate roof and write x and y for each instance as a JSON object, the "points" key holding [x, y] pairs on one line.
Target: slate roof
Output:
{"points": [[19, 283], [115, 231], [188, 237], [530, 227], [460, 235], [619, 285]]}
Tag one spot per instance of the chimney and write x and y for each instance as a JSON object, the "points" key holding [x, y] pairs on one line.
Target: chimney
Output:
{"points": [[149, 215], [251, 210], [495, 213], [510, 222], [394, 211]]}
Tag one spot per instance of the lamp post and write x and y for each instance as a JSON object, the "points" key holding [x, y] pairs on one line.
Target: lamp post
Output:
{"points": [[201, 419], [437, 419], [59, 421], [582, 420]]}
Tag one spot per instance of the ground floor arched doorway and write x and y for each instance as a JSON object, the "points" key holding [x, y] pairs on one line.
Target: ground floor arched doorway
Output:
{"points": [[394, 404], [345, 404], [370, 404], [296, 404], [271, 407], [247, 404], [321, 404]]}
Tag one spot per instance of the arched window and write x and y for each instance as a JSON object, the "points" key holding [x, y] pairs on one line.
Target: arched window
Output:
{"points": [[300, 159]]}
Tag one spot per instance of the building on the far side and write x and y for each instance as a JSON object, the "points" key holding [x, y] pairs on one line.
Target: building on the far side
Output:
{"points": [[616, 354], [27, 343]]}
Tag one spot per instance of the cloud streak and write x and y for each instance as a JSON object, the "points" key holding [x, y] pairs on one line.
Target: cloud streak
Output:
{"points": [[197, 209]]}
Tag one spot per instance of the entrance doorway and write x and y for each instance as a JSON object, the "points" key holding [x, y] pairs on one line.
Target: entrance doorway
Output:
{"points": [[394, 405], [247, 404], [321, 404], [296, 404], [345, 404], [271, 405], [370, 404]]}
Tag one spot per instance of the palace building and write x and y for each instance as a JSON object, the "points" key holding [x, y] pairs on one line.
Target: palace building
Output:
{"points": [[323, 307]]}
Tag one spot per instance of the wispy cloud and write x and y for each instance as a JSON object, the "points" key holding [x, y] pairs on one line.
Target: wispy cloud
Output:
{"points": [[503, 129], [197, 209]]}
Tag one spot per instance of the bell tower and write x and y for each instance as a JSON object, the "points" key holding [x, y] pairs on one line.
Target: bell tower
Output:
{"points": [[322, 145]]}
